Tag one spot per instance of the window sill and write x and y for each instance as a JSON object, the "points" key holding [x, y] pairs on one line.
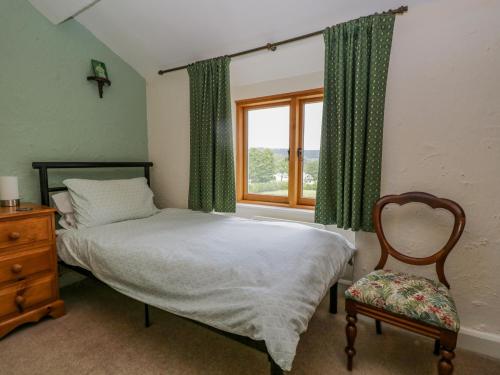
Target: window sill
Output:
{"points": [[277, 211], [251, 210], [274, 204]]}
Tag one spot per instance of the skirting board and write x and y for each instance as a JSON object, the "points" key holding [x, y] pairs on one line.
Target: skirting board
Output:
{"points": [[470, 339], [480, 342]]}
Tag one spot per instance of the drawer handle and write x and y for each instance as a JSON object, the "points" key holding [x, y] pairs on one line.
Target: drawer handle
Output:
{"points": [[14, 235], [16, 268], [20, 301]]}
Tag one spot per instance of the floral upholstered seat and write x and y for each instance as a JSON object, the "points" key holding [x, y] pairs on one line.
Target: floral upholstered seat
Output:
{"points": [[414, 297]]}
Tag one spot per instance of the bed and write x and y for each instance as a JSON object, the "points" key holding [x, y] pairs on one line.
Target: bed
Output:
{"points": [[255, 281]]}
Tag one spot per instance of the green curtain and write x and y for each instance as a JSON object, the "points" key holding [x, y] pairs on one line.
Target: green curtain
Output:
{"points": [[356, 63], [211, 177]]}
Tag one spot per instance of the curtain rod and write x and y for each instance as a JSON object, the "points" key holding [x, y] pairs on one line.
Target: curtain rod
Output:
{"points": [[273, 46]]}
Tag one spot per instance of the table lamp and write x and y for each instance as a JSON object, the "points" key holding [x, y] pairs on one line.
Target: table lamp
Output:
{"points": [[9, 191]]}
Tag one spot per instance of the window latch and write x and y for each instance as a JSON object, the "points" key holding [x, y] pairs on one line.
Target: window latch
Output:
{"points": [[300, 154]]}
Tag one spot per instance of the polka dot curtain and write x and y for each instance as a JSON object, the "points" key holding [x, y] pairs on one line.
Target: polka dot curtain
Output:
{"points": [[356, 63], [211, 175]]}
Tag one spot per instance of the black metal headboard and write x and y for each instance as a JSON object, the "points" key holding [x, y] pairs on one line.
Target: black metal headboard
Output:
{"points": [[43, 168]]}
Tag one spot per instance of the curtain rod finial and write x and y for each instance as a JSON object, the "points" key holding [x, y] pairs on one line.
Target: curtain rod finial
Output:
{"points": [[400, 10]]}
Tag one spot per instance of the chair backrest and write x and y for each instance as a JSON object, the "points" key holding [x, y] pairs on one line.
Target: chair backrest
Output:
{"points": [[440, 256]]}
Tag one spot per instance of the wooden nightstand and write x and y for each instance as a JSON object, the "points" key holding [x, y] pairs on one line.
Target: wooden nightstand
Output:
{"points": [[28, 267]]}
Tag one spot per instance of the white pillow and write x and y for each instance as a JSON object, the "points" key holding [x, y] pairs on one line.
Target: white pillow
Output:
{"points": [[63, 205], [104, 202], [67, 221]]}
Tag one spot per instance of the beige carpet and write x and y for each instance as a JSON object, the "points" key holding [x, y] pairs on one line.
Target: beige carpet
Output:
{"points": [[103, 333]]}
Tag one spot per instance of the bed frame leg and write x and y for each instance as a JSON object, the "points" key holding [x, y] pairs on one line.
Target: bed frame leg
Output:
{"points": [[147, 323], [275, 369], [333, 298]]}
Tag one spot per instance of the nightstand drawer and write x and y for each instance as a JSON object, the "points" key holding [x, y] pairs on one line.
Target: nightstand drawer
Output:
{"points": [[24, 231], [25, 294], [25, 263]]}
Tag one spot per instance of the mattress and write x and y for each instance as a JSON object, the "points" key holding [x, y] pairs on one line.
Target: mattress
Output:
{"points": [[263, 280]]}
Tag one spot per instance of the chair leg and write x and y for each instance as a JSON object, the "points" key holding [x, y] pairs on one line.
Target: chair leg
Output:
{"points": [[333, 298], [437, 347], [350, 332], [378, 327], [445, 367]]}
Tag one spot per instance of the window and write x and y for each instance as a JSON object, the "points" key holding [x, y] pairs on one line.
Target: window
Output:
{"points": [[278, 140]]}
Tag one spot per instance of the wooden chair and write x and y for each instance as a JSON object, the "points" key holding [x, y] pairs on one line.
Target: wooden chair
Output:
{"points": [[411, 302]]}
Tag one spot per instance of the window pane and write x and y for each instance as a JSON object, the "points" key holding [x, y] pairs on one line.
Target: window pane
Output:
{"points": [[312, 137], [268, 142]]}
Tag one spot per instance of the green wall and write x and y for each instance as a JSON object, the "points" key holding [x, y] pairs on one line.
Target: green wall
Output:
{"points": [[48, 110]]}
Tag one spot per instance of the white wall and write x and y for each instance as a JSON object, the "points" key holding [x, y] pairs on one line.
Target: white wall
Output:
{"points": [[168, 130], [442, 135]]}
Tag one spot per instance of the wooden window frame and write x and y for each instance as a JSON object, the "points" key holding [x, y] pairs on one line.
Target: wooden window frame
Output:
{"points": [[296, 101]]}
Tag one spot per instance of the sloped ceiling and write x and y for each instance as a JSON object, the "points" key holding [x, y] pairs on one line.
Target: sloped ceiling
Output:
{"points": [[154, 34]]}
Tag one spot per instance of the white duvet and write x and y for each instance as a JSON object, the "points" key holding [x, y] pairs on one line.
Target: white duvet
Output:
{"points": [[258, 279]]}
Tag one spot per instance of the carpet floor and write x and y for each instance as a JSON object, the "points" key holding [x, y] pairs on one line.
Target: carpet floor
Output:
{"points": [[103, 333]]}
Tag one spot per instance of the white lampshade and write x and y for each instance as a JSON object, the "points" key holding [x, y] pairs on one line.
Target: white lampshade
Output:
{"points": [[8, 188]]}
